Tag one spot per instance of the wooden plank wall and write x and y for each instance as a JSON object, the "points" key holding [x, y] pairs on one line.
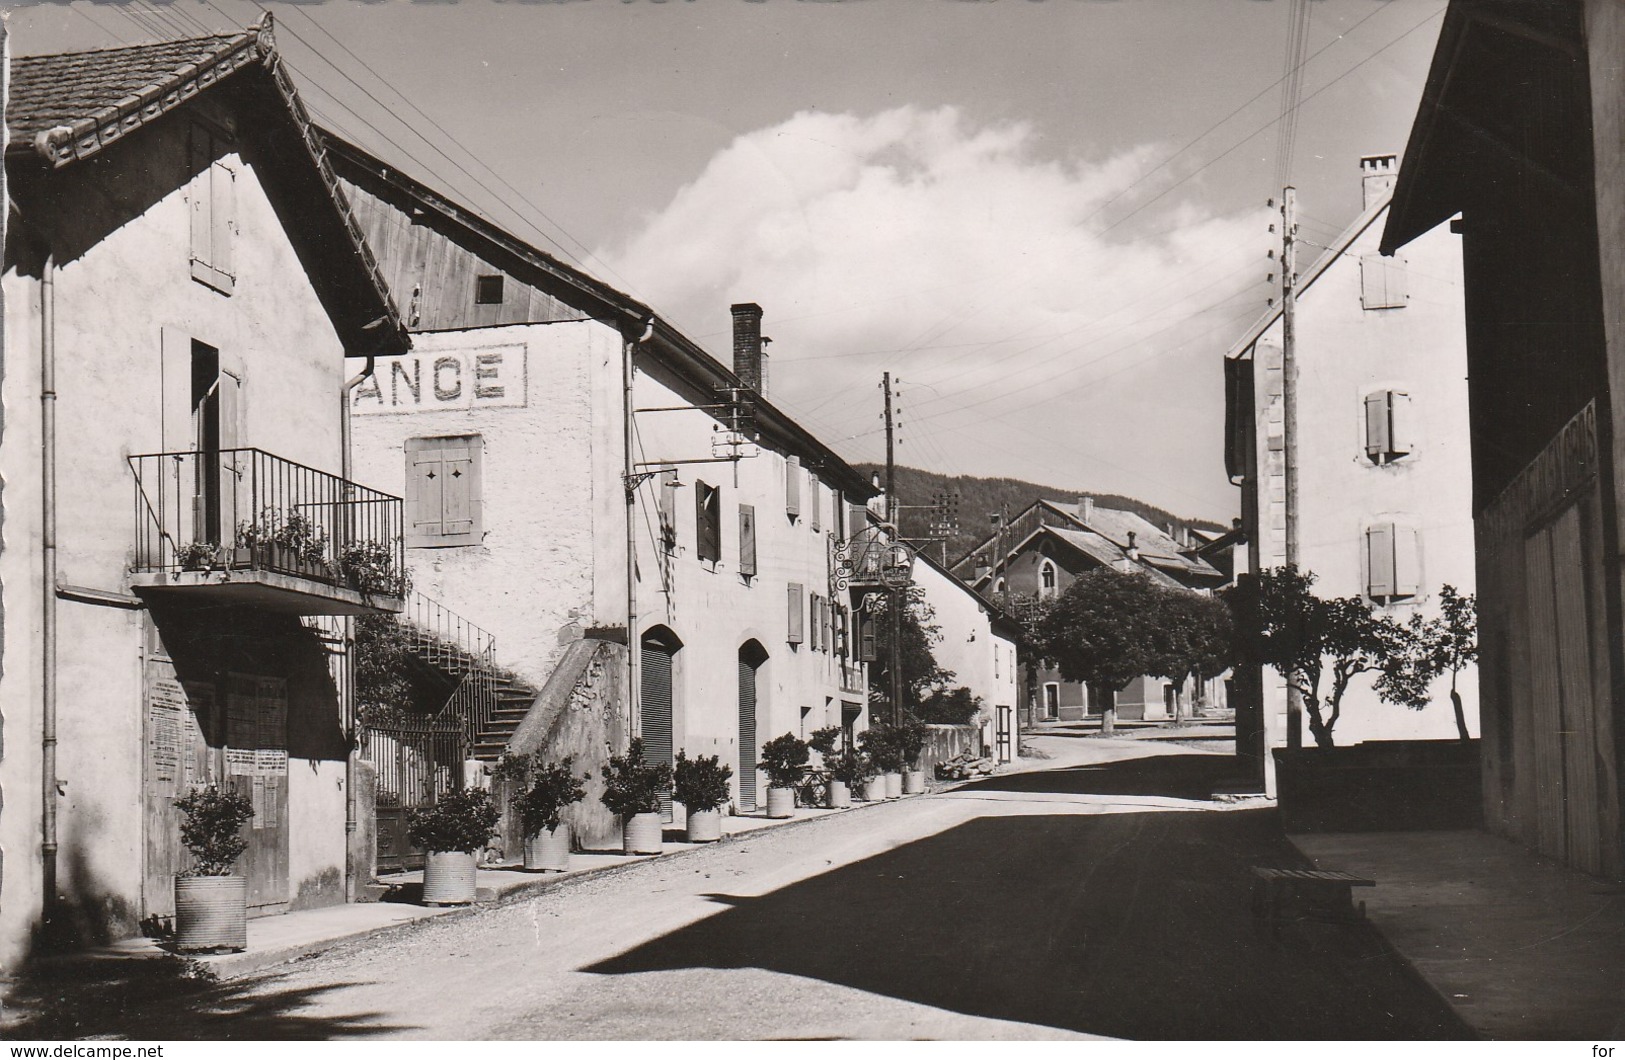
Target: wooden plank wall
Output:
{"points": [[432, 278]]}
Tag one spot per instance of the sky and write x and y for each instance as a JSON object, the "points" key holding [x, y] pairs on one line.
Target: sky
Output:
{"points": [[1048, 218]]}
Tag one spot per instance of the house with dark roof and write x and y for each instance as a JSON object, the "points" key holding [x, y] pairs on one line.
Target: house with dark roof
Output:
{"points": [[186, 292], [583, 479], [1383, 480], [1521, 130], [1040, 551]]}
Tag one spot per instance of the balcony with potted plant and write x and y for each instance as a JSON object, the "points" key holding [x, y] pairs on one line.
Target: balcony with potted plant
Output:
{"points": [[245, 527]]}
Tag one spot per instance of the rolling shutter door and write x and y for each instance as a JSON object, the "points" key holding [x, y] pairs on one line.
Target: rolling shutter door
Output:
{"points": [[747, 734], [656, 705]]}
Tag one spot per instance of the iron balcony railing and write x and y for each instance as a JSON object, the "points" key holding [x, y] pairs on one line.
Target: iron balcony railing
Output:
{"points": [[246, 509]]}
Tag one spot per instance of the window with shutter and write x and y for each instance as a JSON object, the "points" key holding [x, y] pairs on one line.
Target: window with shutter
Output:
{"points": [[792, 486], [213, 198], [747, 540], [815, 500], [707, 522], [1379, 551], [814, 621], [1376, 425], [798, 615], [1388, 426], [1407, 562], [444, 506], [842, 645], [867, 650], [667, 502], [1382, 282]]}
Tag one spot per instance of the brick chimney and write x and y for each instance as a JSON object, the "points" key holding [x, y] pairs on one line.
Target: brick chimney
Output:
{"points": [[1377, 176], [748, 359]]}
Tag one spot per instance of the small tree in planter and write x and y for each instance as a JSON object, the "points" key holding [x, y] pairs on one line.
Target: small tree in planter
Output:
{"points": [[825, 741], [701, 785], [848, 771], [784, 760], [211, 900], [881, 744], [910, 739], [549, 788], [451, 833], [632, 790]]}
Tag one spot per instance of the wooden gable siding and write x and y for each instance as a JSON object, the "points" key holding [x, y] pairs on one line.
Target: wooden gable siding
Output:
{"points": [[433, 278]]}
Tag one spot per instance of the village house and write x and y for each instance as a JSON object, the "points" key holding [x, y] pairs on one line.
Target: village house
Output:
{"points": [[183, 553], [979, 645], [581, 478], [1040, 551], [1532, 164], [1384, 496]]}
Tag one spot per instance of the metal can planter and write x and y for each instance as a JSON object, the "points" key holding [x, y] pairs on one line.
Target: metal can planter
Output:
{"points": [[641, 834], [914, 782], [874, 789], [211, 913], [704, 826], [781, 802], [840, 796], [894, 785], [448, 878], [548, 851]]}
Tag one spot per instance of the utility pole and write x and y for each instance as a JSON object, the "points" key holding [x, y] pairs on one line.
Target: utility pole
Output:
{"points": [[898, 596], [1289, 417]]}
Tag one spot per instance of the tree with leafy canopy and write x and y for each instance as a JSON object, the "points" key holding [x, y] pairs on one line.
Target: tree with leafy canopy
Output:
{"points": [[1431, 647], [1104, 630], [1305, 637], [1196, 641], [921, 672]]}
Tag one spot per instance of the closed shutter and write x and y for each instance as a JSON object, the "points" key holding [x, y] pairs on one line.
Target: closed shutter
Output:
{"points": [[857, 517], [707, 520], [457, 493], [656, 708], [1379, 550], [747, 733], [1407, 561], [213, 203], [1376, 425], [424, 478], [867, 651], [815, 500], [792, 486], [443, 498], [202, 187], [747, 539], [798, 616], [1382, 282]]}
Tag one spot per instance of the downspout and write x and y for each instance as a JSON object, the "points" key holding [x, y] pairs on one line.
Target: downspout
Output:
{"points": [[633, 647], [49, 788], [350, 816]]}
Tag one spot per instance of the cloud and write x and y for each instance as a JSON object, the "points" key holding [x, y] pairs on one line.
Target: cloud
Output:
{"points": [[983, 271]]}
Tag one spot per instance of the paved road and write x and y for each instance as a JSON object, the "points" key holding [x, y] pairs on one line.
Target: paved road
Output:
{"points": [[1102, 896]]}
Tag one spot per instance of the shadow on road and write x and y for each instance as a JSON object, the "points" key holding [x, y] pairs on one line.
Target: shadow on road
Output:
{"points": [[1183, 776], [155, 999], [1132, 925]]}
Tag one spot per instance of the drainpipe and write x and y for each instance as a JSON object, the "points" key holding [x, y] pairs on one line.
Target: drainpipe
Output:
{"points": [[49, 788], [634, 711], [350, 822]]}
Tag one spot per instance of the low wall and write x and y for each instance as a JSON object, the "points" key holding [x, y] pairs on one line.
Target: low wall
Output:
{"points": [[943, 742], [1380, 786]]}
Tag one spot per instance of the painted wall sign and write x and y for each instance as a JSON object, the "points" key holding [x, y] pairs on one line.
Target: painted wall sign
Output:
{"points": [[444, 381]]}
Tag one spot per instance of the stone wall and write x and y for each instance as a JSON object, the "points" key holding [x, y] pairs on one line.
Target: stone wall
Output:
{"points": [[943, 742]]}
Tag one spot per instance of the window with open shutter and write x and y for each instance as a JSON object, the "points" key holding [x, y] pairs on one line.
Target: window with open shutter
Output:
{"points": [[1388, 426], [1382, 282], [792, 486], [1407, 562], [867, 650], [816, 633], [747, 540], [213, 200], [707, 522], [443, 501], [1393, 562], [668, 510], [797, 614]]}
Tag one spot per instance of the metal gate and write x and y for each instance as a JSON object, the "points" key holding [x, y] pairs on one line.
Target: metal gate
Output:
{"points": [[417, 762]]}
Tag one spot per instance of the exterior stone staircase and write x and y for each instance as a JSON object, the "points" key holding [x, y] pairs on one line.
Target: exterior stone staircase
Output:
{"points": [[511, 702]]}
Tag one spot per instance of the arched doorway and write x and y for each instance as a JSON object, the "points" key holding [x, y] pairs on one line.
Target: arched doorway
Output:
{"points": [[656, 697], [751, 657]]}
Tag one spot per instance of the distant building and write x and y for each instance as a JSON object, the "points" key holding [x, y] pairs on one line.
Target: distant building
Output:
{"points": [[185, 294], [1384, 495], [1042, 550], [979, 644]]}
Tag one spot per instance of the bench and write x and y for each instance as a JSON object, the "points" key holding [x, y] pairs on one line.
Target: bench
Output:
{"points": [[1320, 894]]}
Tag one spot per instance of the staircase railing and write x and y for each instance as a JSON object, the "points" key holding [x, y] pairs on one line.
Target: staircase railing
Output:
{"points": [[451, 643]]}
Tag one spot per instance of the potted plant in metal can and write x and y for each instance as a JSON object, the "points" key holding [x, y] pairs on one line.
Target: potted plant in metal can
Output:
{"points": [[211, 900], [552, 788], [784, 760], [451, 833], [880, 743], [849, 771], [910, 737], [632, 790], [836, 793], [701, 785]]}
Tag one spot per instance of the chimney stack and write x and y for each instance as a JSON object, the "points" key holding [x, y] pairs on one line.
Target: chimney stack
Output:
{"points": [[748, 346], [1377, 176], [1086, 509]]}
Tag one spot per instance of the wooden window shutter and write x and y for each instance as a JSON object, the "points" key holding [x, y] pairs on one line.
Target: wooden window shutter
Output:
{"points": [[829, 625], [1379, 550], [866, 638], [1400, 424], [444, 505], [815, 500], [424, 478], [707, 517], [460, 492], [841, 643], [202, 185], [792, 486], [798, 617], [1407, 561], [1376, 425], [668, 510], [815, 634], [747, 539], [1382, 282], [223, 216]]}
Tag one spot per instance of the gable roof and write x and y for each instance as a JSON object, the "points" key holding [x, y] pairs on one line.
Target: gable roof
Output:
{"points": [[592, 296], [64, 108], [998, 619]]}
